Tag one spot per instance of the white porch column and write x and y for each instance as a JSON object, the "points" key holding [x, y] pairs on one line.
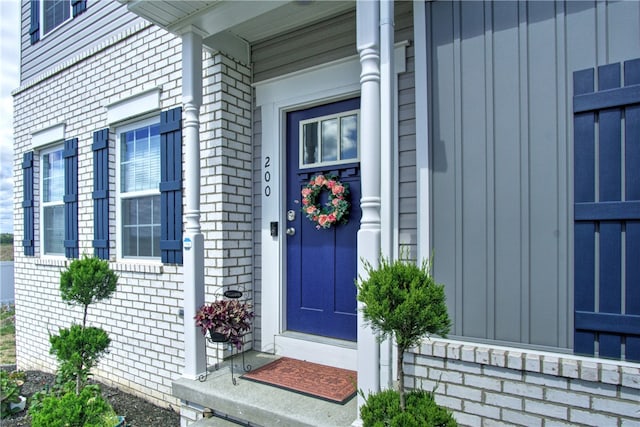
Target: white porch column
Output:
{"points": [[193, 244], [368, 43]]}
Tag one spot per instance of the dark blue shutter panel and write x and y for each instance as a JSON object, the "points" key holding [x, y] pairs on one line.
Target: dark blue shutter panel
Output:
{"points": [[607, 222], [100, 193], [171, 186], [70, 155], [34, 29], [632, 192], [78, 6], [27, 203]]}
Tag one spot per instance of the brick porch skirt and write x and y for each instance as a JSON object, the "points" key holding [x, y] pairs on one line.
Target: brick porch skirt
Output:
{"points": [[483, 383]]}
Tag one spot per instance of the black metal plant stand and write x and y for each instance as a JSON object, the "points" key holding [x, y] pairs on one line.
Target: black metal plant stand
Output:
{"points": [[217, 338]]}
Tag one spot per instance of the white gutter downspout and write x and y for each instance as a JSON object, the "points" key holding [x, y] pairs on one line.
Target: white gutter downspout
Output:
{"points": [[368, 44], [387, 145], [193, 242], [422, 129]]}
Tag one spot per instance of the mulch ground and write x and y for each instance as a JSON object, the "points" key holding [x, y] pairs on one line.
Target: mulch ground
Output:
{"points": [[137, 411]]}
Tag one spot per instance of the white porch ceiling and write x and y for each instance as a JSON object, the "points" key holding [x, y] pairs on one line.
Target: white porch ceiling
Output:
{"points": [[231, 26]]}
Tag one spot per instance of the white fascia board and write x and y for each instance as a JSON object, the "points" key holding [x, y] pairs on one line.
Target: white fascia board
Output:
{"points": [[134, 105], [48, 135]]}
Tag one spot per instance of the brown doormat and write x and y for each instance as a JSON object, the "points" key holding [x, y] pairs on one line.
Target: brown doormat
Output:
{"points": [[312, 379]]}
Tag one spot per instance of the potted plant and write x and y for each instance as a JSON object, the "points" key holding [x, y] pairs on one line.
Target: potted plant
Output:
{"points": [[402, 300], [225, 321]]}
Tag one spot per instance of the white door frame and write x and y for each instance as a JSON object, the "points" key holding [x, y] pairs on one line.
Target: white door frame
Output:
{"points": [[315, 86], [310, 87]]}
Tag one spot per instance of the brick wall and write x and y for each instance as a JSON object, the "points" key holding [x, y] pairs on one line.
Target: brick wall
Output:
{"points": [[490, 385], [143, 317], [226, 160]]}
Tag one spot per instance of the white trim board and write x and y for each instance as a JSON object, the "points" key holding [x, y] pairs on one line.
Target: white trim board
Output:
{"points": [[337, 80], [302, 89]]}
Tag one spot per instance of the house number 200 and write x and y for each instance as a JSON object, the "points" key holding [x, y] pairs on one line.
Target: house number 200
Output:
{"points": [[267, 176]]}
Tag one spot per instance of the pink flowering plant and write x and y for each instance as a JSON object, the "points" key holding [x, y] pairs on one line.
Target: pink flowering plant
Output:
{"points": [[226, 319], [335, 211]]}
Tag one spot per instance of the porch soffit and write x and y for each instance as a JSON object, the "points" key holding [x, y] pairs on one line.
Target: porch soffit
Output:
{"points": [[227, 24]]}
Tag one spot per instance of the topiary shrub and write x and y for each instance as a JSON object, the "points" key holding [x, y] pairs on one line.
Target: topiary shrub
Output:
{"points": [[402, 300], [78, 350], [87, 409], [383, 409], [86, 281]]}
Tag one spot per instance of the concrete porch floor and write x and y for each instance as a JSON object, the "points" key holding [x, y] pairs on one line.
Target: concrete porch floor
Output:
{"points": [[254, 404]]}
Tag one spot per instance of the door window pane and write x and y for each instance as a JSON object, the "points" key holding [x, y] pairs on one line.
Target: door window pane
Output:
{"points": [[309, 143], [329, 139], [349, 137]]}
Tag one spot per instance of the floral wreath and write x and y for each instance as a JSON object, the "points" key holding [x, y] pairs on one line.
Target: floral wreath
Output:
{"points": [[335, 211]]}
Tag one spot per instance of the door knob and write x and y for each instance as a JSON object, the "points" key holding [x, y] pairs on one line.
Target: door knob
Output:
{"points": [[291, 231]]}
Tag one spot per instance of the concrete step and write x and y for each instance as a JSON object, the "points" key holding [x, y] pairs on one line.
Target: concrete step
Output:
{"points": [[256, 404]]}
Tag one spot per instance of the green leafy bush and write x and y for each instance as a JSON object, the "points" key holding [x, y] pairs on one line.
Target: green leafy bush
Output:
{"points": [[87, 409], [383, 409], [9, 391]]}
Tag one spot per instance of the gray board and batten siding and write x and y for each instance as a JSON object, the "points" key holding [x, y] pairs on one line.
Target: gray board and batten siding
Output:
{"points": [[501, 138], [101, 20], [334, 39]]}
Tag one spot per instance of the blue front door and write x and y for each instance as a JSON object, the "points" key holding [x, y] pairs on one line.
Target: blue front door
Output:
{"points": [[322, 262]]}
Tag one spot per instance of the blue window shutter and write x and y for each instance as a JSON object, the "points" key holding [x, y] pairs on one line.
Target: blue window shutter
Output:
{"points": [[171, 186], [34, 29], [27, 203], [607, 223], [101, 193], [70, 155], [78, 6]]}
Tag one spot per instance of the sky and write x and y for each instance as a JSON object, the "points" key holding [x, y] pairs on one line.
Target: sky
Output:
{"points": [[9, 80]]}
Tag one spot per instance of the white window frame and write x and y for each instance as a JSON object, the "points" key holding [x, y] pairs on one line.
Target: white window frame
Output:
{"points": [[133, 194], [44, 152], [44, 34], [319, 121]]}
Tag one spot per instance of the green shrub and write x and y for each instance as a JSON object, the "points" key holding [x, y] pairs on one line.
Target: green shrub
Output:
{"points": [[9, 391], [78, 350], [403, 301], [383, 409], [87, 280], [88, 409]]}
